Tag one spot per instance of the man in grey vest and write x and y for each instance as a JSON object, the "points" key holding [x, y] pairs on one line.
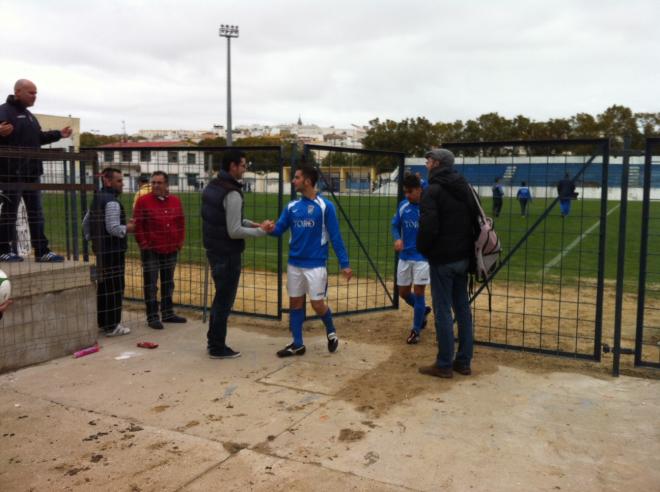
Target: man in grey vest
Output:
{"points": [[224, 230], [106, 226]]}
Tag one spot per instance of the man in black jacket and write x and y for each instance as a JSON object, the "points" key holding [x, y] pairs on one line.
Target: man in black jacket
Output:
{"points": [[224, 231], [447, 229], [19, 128]]}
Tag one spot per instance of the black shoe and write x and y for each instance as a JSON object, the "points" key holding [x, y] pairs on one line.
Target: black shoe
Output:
{"points": [[156, 325], [427, 311], [174, 319], [290, 350], [223, 353], [438, 372], [333, 342], [462, 368], [413, 338]]}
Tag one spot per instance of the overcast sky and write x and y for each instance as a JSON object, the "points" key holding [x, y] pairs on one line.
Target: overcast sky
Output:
{"points": [[160, 63]]}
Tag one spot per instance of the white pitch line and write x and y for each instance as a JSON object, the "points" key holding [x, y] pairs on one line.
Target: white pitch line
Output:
{"points": [[575, 242]]}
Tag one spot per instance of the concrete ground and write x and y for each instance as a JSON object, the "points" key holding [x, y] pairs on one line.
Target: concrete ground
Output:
{"points": [[133, 419]]}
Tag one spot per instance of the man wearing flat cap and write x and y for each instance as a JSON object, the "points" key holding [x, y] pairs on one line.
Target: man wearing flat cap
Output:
{"points": [[447, 230]]}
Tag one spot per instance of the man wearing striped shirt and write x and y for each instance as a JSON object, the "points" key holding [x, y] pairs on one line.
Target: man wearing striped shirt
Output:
{"points": [[105, 225]]}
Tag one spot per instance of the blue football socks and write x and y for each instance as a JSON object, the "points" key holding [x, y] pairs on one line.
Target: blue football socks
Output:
{"points": [[419, 311], [296, 318], [327, 321]]}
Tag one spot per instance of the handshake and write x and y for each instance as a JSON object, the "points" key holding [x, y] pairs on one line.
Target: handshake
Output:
{"points": [[267, 226]]}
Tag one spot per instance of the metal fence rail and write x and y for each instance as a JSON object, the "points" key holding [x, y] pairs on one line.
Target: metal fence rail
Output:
{"points": [[190, 169], [647, 336], [51, 314], [365, 186], [63, 186], [548, 291], [566, 285]]}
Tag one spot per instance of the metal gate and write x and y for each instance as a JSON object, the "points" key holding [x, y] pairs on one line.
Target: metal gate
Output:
{"points": [[547, 294], [647, 327], [365, 187], [190, 169]]}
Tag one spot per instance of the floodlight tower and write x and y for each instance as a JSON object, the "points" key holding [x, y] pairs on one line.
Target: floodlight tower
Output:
{"points": [[227, 31]]}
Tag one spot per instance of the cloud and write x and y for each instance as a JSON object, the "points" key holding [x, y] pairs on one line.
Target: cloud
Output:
{"points": [[161, 64]]}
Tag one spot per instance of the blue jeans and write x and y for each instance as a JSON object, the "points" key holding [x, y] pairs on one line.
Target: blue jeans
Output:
{"points": [[565, 206], [449, 289], [226, 272]]}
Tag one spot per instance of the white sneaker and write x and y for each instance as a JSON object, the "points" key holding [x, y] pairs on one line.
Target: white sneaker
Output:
{"points": [[118, 331]]}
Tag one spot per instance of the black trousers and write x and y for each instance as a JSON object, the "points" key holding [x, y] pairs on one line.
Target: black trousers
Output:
{"points": [[524, 206], [226, 273], [11, 199], [497, 205], [109, 289], [153, 265]]}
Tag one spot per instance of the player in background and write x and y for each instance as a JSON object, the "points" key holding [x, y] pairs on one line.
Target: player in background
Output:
{"points": [[313, 221], [524, 197], [412, 274], [498, 197]]}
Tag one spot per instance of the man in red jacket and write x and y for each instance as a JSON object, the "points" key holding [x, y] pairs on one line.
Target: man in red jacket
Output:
{"points": [[160, 232]]}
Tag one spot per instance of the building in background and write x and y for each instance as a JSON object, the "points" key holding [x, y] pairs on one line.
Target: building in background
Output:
{"points": [[176, 135], [54, 171], [309, 134], [52, 122], [186, 168]]}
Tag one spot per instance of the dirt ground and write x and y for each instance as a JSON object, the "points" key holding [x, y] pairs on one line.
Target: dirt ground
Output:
{"points": [[526, 316], [359, 419], [390, 383], [556, 318]]}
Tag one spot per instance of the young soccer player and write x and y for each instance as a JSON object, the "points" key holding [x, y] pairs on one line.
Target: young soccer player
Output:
{"points": [[312, 220], [412, 274]]}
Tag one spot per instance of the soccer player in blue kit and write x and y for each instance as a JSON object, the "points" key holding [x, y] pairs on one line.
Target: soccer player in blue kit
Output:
{"points": [[412, 274], [313, 221]]}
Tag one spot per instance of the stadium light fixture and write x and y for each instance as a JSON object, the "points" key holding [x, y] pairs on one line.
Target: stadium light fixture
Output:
{"points": [[228, 31]]}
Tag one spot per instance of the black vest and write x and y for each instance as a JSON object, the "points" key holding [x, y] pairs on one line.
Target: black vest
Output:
{"points": [[102, 241], [214, 217]]}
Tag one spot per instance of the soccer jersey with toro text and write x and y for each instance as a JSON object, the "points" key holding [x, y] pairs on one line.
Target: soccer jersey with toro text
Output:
{"points": [[405, 226], [313, 224]]}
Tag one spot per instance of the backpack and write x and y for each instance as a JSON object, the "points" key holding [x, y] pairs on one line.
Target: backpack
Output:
{"points": [[487, 248]]}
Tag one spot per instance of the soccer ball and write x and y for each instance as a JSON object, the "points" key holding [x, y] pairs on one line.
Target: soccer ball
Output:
{"points": [[5, 287]]}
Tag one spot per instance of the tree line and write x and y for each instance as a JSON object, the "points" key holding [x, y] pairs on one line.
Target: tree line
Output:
{"points": [[416, 135]]}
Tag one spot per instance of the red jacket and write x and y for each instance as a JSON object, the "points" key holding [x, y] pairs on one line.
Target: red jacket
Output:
{"points": [[159, 223]]}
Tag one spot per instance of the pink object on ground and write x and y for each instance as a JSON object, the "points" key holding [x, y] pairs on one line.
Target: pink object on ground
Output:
{"points": [[87, 351]]}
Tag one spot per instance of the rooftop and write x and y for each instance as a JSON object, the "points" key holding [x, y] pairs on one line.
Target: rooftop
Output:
{"points": [[144, 144]]}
